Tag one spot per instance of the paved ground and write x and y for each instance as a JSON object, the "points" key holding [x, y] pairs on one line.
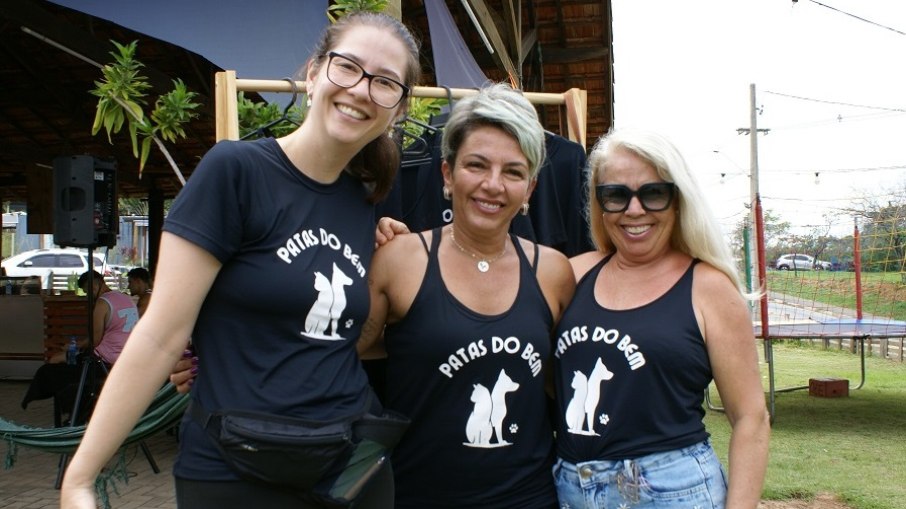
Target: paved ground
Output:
{"points": [[30, 483]]}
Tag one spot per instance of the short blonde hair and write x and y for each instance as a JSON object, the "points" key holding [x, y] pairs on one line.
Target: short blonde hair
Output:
{"points": [[499, 106]]}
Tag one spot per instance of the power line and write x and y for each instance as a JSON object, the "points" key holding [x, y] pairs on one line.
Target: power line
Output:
{"points": [[857, 17], [838, 170], [839, 119], [838, 103]]}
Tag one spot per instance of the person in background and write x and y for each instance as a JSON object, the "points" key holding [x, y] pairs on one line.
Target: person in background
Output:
{"points": [[140, 287], [263, 262], [113, 319], [657, 315]]}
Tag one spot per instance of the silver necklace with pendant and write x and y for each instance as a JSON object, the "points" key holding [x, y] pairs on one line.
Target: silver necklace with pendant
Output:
{"points": [[483, 264]]}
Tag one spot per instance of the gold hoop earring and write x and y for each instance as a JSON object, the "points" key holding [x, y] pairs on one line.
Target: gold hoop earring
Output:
{"points": [[525, 207], [447, 195]]}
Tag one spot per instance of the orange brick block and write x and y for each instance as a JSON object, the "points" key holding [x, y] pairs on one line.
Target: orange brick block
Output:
{"points": [[828, 387]]}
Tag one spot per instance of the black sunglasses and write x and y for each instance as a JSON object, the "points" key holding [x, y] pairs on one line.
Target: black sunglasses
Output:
{"points": [[653, 197]]}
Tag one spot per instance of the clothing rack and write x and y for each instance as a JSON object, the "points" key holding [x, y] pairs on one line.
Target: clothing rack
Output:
{"points": [[573, 103]]}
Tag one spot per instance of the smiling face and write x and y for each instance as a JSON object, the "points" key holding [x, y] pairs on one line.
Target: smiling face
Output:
{"points": [[637, 235], [349, 115], [489, 182]]}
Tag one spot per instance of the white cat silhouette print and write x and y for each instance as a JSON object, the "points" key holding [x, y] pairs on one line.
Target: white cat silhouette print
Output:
{"points": [[486, 420], [326, 311], [580, 411]]}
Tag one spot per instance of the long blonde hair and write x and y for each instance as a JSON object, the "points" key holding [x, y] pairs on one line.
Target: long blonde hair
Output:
{"points": [[697, 232]]}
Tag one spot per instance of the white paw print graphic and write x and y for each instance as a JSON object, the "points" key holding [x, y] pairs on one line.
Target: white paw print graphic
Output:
{"points": [[514, 428], [349, 323], [604, 419]]}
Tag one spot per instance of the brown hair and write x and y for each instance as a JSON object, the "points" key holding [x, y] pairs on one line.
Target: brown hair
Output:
{"points": [[377, 163]]}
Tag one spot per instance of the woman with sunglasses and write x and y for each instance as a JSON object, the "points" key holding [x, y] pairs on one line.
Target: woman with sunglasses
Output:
{"points": [[658, 313], [264, 262]]}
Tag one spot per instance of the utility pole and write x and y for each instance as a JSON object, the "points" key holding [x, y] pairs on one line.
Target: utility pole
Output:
{"points": [[753, 176]]}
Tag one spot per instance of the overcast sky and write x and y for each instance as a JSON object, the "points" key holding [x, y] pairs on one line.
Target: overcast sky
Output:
{"points": [[831, 88]]}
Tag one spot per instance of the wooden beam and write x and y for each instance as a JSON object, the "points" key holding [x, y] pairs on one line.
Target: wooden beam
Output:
{"points": [[486, 18], [572, 55], [226, 107], [529, 40], [511, 23]]}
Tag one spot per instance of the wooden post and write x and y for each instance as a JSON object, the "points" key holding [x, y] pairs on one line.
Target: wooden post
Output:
{"points": [[226, 108]]}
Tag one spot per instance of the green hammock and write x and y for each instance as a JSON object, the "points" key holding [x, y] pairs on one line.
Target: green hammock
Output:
{"points": [[165, 411]]}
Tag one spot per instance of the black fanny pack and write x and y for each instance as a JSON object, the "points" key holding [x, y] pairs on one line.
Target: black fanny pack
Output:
{"points": [[332, 461]]}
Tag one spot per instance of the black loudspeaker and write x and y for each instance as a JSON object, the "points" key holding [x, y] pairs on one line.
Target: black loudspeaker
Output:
{"points": [[85, 202]]}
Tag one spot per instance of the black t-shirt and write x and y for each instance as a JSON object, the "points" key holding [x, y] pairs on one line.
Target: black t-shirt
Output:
{"points": [[276, 332]]}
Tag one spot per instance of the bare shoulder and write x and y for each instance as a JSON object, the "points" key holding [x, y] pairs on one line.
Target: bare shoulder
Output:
{"points": [[582, 263], [399, 256], [712, 282], [719, 306], [401, 249], [554, 266]]}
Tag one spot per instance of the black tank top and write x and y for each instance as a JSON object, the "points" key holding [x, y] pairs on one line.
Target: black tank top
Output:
{"points": [[629, 382], [473, 386]]}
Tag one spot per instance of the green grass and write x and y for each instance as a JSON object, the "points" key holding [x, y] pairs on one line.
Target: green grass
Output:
{"points": [[853, 447], [884, 293]]}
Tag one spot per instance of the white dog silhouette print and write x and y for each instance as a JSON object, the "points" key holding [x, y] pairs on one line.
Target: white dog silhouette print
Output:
{"points": [[486, 419], [587, 393], [326, 311]]}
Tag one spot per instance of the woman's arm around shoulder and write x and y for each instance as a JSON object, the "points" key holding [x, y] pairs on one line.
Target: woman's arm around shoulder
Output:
{"points": [[726, 325], [390, 281]]}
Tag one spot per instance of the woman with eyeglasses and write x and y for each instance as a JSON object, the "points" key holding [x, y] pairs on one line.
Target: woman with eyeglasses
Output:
{"points": [[264, 262], [468, 310], [657, 314]]}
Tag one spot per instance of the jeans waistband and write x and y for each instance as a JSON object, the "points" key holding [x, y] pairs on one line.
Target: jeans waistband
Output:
{"points": [[596, 468]]}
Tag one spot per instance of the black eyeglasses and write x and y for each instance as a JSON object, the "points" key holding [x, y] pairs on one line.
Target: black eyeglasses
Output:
{"points": [[385, 92], [653, 197]]}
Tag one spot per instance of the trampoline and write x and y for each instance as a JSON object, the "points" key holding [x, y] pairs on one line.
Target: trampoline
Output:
{"points": [[855, 330], [849, 328]]}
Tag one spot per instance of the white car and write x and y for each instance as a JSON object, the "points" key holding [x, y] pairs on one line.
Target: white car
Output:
{"points": [[44, 262], [800, 262]]}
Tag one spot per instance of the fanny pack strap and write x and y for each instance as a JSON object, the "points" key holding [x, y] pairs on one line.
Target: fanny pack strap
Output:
{"points": [[386, 429], [202, 417]]}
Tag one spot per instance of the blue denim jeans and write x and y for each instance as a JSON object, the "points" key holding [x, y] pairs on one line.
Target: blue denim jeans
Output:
{"points": [[688, 478]]}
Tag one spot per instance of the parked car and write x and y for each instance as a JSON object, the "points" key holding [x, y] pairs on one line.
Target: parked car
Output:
{"points": [[44, 262], [800, 262]]}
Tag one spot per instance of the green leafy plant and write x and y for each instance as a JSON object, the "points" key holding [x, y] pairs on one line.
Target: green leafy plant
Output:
{"points": [[421, 109], [341, 8], [252, 115], [121, 99], [72, 283]]}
